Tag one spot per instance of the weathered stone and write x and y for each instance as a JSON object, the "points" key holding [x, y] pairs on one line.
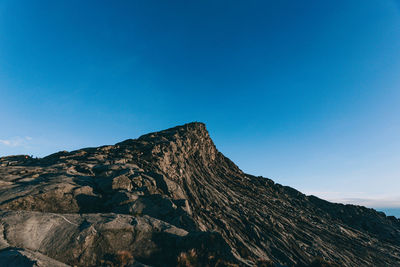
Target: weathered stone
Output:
{"points": [[121, 182], [172, 199]]}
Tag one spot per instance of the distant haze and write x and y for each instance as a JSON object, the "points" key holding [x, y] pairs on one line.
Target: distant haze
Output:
{"points": [[391, 212]]}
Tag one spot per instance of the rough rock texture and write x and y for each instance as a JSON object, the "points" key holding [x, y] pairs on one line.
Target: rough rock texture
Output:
{"points": [[172, 199]]}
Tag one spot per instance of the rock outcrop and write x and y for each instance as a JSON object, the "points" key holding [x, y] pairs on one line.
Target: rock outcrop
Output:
{"points": [[172, 199]]}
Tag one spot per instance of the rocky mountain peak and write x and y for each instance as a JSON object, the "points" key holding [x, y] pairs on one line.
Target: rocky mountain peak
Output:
{"points": [[188, 138], [177, 150], [170, 198], [196, 130]]}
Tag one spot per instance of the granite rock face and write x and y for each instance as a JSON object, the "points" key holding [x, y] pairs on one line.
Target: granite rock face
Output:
{"points": [[172, 199]]}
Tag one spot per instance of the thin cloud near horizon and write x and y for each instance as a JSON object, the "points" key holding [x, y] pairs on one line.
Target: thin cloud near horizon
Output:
{"points": [[15, 141], [349, 198]]}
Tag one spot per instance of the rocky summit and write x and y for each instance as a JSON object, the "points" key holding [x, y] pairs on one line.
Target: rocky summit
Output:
{"points": [[170, 198]]}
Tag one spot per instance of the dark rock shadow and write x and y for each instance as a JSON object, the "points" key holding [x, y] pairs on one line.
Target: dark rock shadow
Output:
{"points": [[194, 249], [89, 204]]}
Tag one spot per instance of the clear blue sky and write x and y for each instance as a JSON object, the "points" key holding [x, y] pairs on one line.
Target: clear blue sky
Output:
{"points": [[304, 92]]}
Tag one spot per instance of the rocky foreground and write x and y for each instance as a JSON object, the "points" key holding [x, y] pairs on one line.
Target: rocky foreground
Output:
{"points": [[171, 199]]}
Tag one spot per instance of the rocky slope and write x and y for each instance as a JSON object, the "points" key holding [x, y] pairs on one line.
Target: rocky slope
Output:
{"points": [[172, 199]]}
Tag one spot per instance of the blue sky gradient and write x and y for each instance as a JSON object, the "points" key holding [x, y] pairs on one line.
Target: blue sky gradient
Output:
{"points": [[306, 93]]}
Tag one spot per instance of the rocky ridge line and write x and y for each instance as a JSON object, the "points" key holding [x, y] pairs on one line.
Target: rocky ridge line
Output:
{"points": [[163, 198]]}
